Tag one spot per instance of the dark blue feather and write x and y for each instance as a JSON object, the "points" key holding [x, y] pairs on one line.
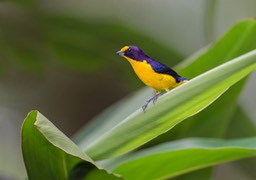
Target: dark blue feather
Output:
{"points": [[163, 69], [137, 54]]}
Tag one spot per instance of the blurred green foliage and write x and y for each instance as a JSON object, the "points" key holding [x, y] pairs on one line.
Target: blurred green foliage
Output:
{"points": [[34, 39], [90, 45]]}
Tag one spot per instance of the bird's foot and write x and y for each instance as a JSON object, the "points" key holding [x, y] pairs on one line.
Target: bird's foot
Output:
{"points": [[154, 98], [157, 96], [144, 107]]}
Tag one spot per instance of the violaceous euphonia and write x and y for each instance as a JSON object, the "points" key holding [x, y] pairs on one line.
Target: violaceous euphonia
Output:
{"points": [[151, 72]]}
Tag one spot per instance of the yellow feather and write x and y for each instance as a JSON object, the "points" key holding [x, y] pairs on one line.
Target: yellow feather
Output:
{"points": [[124, 48], [152, 79]]}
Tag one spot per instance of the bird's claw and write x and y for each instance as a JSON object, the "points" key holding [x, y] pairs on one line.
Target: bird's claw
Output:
{"points": [[144, 107], [154, 98]]}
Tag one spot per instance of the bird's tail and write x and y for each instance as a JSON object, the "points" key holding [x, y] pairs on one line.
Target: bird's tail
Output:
{"points": [[181, 79]]}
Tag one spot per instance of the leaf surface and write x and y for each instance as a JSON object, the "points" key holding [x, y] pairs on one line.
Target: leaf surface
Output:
{"points": [[172, 159], [172, 108], [49, 154]]}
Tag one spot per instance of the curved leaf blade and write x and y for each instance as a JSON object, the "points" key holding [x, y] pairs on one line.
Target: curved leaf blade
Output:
{"points": [[180, 157], [241, 36], [49, 154], [215, 121], [111, 117], [172, 108]]}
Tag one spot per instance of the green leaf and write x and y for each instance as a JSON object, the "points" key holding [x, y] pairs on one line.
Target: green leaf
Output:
{"points": [[237, 41], [215, 55], [176, 158], [172, 108], [49, 154], [215, 120], [111, 117]]}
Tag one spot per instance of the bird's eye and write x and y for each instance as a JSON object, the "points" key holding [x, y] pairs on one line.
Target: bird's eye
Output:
{"points": [[128, 50]]}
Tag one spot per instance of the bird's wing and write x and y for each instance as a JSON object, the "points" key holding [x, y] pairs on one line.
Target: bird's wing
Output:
{"points": [[163, 69]]}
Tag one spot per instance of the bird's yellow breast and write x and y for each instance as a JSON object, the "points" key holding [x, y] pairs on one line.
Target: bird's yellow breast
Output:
{"points": [[151, 78]]}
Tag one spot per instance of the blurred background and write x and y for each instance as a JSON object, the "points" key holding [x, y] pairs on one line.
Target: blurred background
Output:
{"points": [[59, 56]]}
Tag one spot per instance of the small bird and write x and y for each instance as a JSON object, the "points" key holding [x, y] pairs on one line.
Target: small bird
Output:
{"points": [[151, 72]]}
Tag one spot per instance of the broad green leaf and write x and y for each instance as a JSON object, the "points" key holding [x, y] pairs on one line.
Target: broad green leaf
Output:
{"points": [[237, 41], [172, 108], [111, 117], [211, 122], [179, 157], [238, 37], [49, 154], [215, 120]]}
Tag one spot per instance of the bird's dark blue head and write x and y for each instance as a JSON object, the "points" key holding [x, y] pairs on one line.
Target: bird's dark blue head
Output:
{"points": [[132, 52]]}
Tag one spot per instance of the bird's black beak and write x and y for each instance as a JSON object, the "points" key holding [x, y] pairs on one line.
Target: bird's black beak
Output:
{"points": [[120, 53]]}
